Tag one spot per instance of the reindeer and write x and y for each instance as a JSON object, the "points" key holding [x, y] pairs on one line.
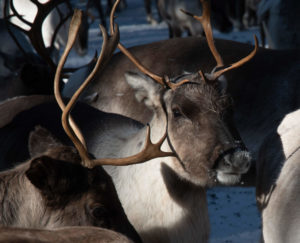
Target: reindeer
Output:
{"points": [[193, 111], [277, 190], [53, 190], [280, 23], [178, 22], [254, 95], [149, 17], [250, 13]]}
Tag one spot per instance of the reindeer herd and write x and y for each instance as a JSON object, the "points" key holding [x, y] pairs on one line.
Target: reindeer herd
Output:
{"points": [[126, 153]]}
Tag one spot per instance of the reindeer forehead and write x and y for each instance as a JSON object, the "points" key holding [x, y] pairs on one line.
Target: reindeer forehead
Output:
{"points": [[196, 93], [194, 99]]}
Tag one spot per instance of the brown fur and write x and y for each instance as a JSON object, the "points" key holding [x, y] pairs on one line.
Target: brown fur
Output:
{"points": [[62, 235], [50, 192]]}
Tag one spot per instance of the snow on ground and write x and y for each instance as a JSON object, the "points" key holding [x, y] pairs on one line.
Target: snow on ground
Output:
{"points": [[233, 214]]}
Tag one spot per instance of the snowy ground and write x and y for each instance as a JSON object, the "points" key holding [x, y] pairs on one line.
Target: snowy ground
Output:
{"points": [[233, 213]]}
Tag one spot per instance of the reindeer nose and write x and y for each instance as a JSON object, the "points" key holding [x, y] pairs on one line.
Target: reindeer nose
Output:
{"points": [[237, 161], [234, 160]]}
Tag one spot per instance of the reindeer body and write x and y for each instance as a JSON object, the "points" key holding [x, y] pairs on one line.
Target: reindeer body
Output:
{"points": [[278, 182], [62, 235], [280, 23], [171, 210]]}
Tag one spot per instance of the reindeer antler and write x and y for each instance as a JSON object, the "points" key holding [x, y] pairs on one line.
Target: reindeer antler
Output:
{"points": [[164, 81], [35, 31], [74, 134], [150, 150], [205, 21]]}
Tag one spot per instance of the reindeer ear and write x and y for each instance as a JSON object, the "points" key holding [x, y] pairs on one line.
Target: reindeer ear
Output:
{"points": [[55, 177], [40, 140], [146, 89]]}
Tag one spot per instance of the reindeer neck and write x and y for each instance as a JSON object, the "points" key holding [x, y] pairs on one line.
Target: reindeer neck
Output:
{"points": [[153, 184]]}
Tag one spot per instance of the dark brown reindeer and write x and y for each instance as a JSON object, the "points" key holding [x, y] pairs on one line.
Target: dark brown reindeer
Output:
{"points": [[277, 190], [279, 23], [195, 116]]}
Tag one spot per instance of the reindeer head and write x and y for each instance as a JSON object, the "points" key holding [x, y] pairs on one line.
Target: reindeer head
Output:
{"points": [[198, 115], [71, 193]]}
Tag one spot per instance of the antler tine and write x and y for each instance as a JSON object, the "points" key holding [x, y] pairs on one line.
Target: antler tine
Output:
{"points": [[174, 86], [205, 21], [16, 14], [239, 63], [35, 31], [150, 151], [74, 132], [134, 60]]}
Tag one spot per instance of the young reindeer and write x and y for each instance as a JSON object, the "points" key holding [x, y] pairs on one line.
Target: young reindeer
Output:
{"points": [[277, 190], [53, 190]]}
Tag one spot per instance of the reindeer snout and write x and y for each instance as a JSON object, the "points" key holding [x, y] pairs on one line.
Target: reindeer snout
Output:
{"points": [[237, 162], [231, 164]]}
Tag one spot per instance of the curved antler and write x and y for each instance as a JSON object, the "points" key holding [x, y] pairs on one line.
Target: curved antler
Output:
{"points": [[128, 54], [164, 81], [239, 63], [35, 31], [150, 150], [74, 134], [205, 21]]}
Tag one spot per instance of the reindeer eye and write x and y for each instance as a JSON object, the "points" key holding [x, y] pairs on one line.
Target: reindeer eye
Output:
{"points": [[176, 113], [100, 213]]}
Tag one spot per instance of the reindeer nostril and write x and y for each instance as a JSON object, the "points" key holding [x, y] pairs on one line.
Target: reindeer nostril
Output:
{"points": [[227, 163]]}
